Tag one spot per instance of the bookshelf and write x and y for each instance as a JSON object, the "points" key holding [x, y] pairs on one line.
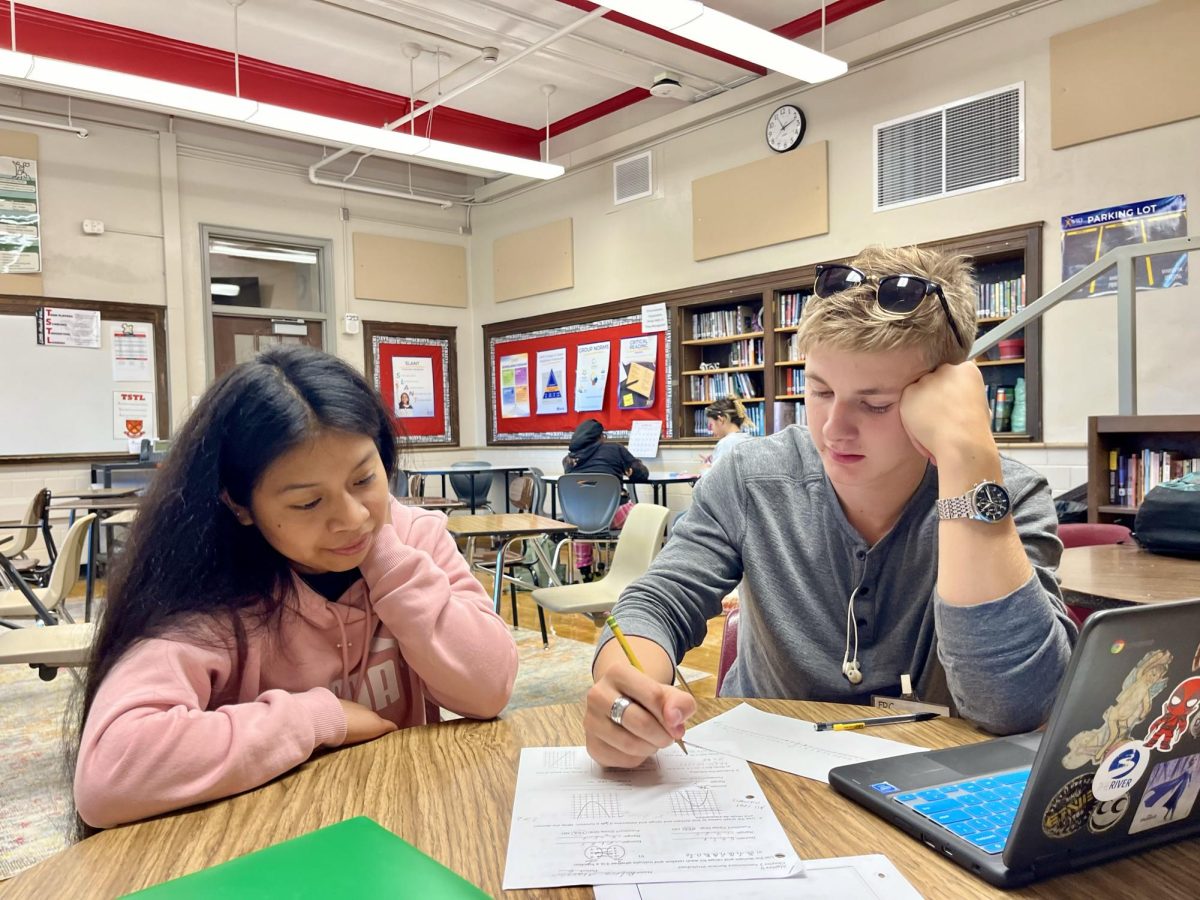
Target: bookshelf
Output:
{"points": [[1134, 436], [722, 354], [738, 335]]}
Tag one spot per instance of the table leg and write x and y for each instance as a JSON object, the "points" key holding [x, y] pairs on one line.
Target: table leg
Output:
{"points": [[553, 499], [507, 475], [498, 584]]}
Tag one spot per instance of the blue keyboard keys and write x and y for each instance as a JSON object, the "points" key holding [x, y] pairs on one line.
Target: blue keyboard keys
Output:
{"points": [[980, 810]]}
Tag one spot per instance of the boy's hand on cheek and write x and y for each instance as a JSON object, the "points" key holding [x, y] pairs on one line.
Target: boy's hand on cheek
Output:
{"points": [[946, 411]]}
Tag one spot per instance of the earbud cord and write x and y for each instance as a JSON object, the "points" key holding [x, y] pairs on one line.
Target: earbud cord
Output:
{"points": [[851, 624]]}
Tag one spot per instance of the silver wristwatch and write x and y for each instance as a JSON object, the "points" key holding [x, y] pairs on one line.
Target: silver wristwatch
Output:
{"points": [[986, 502]]}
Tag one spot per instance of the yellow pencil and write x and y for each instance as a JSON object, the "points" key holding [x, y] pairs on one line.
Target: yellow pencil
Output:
{"points": [[633, 661]]}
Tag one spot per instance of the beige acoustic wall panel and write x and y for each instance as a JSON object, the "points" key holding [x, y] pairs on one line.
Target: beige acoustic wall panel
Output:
{"points": [[24, 146], [531, 262], [407, 271], [782, 198], [1123, 74]]}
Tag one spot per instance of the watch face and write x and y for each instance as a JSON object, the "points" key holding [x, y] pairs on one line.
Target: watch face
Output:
{"points": [[991, 501], [785, 128]]}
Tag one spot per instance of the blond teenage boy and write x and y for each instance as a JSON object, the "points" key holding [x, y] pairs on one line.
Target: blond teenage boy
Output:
{"points": [[886, 538]]}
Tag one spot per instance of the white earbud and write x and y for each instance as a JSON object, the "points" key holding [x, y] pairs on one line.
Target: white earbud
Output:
{"points": [[852, 672]]}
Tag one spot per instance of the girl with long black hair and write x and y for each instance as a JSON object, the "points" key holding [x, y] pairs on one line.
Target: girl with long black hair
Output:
{"points": [[274, 599]]}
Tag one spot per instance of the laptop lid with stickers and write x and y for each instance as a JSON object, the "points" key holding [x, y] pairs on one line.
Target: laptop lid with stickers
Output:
{"points": [[1119, 767], [1117, 770]]}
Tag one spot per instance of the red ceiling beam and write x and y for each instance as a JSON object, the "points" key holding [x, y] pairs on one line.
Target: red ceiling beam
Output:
{"points": [[603, 108], [45, 33], [839, 9]]}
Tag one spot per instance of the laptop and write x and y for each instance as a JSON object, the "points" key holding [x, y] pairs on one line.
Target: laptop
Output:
{"points": [[1115, 771]]}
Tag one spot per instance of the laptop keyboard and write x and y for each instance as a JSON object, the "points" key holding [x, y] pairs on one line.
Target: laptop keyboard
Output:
{"points": [[979, 810]]}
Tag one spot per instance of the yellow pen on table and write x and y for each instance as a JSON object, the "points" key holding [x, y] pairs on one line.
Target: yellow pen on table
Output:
{"points": [[633, 661]]}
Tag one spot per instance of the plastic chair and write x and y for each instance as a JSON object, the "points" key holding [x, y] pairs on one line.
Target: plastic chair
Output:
{"points": [[728, 647], [472, 490], [589, 501], [1091, 534], [416, 486], [24, 533], [539, 491], [638, 544], [64, 576]]}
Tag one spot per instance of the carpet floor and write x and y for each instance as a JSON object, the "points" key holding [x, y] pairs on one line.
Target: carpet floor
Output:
{"points": [[35, 812]]}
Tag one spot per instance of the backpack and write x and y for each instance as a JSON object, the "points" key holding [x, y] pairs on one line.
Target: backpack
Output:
{"points": [[1168, 521]]}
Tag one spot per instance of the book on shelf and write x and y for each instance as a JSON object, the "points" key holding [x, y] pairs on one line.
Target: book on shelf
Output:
{"points": [[1134, 474], [789, 412], [1000, 298], [791, 307], [719, 323]]}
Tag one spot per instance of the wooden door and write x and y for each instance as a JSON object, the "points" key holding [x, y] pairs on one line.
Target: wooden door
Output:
{"points": [[237, 339]]}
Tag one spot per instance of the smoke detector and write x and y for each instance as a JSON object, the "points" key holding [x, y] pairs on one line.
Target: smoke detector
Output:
{"points": [[667, 84]]}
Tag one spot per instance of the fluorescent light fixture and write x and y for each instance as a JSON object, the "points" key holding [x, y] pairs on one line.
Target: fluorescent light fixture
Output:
{"points": [[54, 74], [225, 290], [692, 20], [263, 251]]}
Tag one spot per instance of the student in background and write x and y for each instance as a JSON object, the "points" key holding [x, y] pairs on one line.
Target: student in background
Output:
{"points": [[888, 537], [274, 599], [726, 419], [589, 452]]}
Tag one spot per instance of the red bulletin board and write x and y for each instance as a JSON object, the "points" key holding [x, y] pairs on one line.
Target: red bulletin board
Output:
{"points": [[419, 429], [560, 425]]}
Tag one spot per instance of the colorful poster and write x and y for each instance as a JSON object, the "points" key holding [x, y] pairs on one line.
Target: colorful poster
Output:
{"points": [[412, 387], [1087, 236], [514, 386], [133, 415], [591, 375], [552, 381], [639, 364], [131, 359], [20, 221]]}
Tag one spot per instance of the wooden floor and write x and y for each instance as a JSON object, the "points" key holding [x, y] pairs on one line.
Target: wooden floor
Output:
{"points": [[580, 628]]}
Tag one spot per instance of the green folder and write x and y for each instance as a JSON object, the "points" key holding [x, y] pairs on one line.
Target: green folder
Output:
{"points": [[355, 858]]}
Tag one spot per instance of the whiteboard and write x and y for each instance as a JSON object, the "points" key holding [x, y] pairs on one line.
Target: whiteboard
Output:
{"points": [[59, 400]]}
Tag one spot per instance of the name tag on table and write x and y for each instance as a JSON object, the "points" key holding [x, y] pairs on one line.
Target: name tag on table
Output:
{"points": [[900, 705]]}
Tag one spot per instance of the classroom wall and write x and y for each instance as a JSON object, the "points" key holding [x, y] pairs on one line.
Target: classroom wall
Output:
{"points": [[121, 175], [646, 246]]}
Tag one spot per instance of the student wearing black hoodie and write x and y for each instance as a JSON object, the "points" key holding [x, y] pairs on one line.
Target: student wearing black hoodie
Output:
{"points": [[589, 452]]}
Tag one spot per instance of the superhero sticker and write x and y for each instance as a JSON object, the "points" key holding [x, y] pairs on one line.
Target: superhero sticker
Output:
{"points": [[1144, 682], [1165, 731], [1170, 793]]}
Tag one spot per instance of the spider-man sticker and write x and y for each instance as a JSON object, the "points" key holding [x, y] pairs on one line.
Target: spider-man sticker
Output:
{"points": [[1177, 714]]}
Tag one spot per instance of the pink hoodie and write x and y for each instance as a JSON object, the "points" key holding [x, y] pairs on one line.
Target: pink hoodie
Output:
{"points": [[178, 721]]}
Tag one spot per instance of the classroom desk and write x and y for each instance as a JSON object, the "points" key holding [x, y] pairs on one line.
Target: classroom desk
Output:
{"points": [[658, 482], [105, 469], [103, 503], [471, 472], [1113, 575], [441, 504], [448, 789], [506, 529], [96, 493]]}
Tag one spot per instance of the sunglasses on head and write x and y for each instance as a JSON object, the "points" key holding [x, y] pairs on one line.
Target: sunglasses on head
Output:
{"points": [[899, 294]]}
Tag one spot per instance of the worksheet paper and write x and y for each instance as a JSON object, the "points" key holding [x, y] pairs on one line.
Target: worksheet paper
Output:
{"points": [[848, 878], [791, 745], [699, 817]]}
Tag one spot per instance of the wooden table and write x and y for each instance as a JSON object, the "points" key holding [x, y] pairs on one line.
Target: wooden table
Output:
{"points": [[1119, 574], [506, 528], [441, 504], [448, 789]]}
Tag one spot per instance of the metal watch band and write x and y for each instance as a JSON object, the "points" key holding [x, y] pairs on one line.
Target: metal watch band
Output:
{"points": [[956, 507]]}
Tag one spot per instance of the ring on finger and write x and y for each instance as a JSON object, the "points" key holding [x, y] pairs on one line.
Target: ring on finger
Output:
{"points": [[617, 711]]}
